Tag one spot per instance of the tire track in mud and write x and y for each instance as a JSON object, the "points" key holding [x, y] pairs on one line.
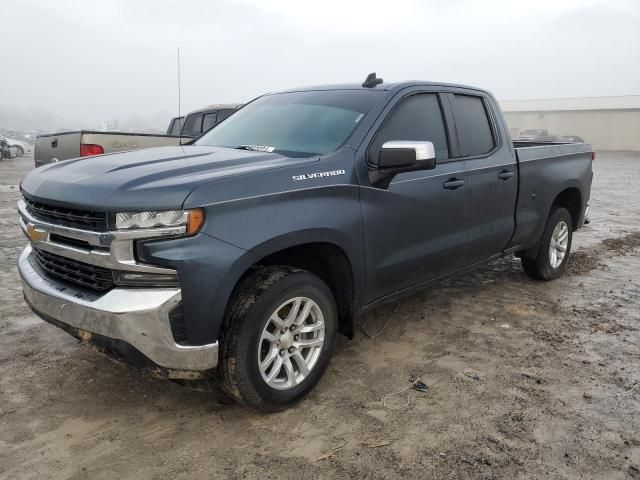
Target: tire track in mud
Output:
{"points": [[586, 260]]}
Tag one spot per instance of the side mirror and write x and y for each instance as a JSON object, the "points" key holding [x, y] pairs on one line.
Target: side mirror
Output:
{"points": [[405, 156]]}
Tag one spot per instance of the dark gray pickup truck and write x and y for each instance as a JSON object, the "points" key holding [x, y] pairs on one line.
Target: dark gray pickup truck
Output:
{"points": [[242, 256]]}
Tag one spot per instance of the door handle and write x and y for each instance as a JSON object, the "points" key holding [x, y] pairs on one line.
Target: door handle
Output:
{"points": [[453, 183], [506, 174]]}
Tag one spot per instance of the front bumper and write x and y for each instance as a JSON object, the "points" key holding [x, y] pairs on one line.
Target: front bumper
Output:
{"points": [[139, 317]]}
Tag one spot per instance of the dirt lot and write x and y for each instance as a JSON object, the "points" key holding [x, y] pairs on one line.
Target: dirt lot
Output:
{"points": [[526, 380]]}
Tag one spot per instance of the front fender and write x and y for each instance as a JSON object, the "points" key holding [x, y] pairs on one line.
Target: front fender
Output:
{"points": [[208, 269], [238, 234], [271, 223]]}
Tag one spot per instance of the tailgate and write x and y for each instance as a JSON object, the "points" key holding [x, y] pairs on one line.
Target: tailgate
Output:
{"points": [[62, 146]]}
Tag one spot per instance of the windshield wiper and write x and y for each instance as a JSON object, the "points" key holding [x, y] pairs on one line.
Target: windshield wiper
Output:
{"points": [[256, 148]]}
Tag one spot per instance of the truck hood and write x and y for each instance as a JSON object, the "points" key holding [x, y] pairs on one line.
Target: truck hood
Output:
{"points": [[154, 178]]}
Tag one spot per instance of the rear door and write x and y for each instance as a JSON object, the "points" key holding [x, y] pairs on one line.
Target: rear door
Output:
{"points": [[492, 169], [415, 228]]}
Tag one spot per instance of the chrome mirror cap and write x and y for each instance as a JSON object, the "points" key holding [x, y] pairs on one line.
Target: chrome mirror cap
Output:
{"points": [[424, 150]]}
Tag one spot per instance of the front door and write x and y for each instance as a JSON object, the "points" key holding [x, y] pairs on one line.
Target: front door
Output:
{"points": [[415, 228]]}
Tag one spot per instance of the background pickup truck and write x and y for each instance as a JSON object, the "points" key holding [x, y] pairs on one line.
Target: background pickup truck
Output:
{"points": [[84, 143], [199, 121], [63, 146], [242, 255]]}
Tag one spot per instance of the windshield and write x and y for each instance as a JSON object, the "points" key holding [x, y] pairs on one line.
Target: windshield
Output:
{"points": [[293, 124]]}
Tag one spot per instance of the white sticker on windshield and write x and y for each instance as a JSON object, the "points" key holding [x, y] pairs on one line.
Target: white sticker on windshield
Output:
{"points": [[259, 148]]}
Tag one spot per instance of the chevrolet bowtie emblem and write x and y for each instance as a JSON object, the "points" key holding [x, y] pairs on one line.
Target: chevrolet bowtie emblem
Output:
{"points": [[35, 234]]}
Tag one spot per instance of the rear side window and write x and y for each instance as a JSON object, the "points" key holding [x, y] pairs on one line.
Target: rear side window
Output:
{"points": [[193, 126], [472, 125], [176, 126], [209, 121], [418, 118]]}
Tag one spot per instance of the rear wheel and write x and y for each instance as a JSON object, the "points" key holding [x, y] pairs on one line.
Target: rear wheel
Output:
{"points": [[550, 259], [19, 151], [277, 338]]}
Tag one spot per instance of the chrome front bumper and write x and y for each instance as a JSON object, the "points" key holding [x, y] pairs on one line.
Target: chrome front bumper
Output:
{"points": [[139, 317]]}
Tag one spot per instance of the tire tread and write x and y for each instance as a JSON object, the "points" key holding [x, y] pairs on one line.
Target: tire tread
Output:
{"points": [[244, 297], [236, 381], [537, 265]]}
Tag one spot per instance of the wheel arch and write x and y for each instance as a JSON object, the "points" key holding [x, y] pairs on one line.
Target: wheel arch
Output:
{"points": [[570, 196], [571, 199], [324, 255]]}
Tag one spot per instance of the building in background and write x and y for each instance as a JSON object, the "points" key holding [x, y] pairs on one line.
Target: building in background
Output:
{"points": [[607, 123]]}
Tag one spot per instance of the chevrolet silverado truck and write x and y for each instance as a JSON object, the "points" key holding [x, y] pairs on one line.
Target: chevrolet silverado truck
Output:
{"points": [[242, 256]]}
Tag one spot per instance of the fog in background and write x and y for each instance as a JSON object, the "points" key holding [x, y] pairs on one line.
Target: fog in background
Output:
{"points": [[71, 64]]}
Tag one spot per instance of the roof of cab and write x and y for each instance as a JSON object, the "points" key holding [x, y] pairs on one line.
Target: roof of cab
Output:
{"points": [[380, 87], [217, 106]]}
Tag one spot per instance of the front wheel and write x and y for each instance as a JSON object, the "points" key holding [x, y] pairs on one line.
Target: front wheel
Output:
{"points": [[278, 337], [550, 260]]}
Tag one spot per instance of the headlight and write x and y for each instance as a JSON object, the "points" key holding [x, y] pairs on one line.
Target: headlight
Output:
{"points": [[192, 220], [169, 218]]}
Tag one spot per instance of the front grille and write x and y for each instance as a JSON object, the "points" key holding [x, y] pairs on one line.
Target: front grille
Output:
{"points": [[72, 242], [68, 217], [90, 276]]}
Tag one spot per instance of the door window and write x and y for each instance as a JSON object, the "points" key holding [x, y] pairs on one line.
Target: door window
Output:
{"points": [[417, 118], [209, 121], [222, 114], [193, 125], [473, 126]]}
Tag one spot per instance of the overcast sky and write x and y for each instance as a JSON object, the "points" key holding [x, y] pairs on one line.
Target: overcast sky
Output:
{"points": [[87, 61]]}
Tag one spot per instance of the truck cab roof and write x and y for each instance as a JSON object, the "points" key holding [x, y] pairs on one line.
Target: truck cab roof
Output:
{"points": [[392, 86], [217, 106]]}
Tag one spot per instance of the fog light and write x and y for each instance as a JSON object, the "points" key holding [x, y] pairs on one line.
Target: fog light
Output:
{"points": [[143, 279]]}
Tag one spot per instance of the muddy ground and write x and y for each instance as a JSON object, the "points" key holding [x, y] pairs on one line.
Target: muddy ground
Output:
{"points": [[525, 380]]}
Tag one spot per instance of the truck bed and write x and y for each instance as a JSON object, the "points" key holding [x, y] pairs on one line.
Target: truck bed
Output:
{"points": [[540, 166]]}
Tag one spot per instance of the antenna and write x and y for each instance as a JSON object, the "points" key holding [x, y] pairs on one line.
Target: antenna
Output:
{"points": [[179, 95], [371, 81]]}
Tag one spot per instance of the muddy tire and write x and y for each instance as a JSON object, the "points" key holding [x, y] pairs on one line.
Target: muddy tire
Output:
{"points": [[550, 259], [277, 337]]}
